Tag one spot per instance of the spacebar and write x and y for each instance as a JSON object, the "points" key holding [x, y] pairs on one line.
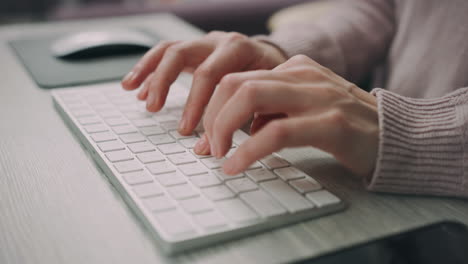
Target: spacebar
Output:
{"points": [[286, 195]]}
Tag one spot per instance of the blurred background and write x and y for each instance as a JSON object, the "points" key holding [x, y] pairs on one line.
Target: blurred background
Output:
{"points": [[246, 16]]}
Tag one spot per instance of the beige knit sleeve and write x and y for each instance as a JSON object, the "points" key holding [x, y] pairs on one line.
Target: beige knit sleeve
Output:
{"points": [[423, 145], [352, 39]]}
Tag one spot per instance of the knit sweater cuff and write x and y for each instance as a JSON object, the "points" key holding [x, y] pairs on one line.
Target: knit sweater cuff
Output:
{"points": [[423, 147]]}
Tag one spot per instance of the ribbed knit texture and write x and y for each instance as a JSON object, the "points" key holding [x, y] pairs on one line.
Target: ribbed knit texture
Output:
{"points": [[423, 146]]}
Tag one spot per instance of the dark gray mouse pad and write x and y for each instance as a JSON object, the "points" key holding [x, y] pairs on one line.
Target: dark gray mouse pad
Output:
{"points": [[51, 72]]}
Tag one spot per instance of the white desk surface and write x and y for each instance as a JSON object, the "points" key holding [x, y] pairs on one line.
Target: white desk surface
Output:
{"points": [[56, 206]]}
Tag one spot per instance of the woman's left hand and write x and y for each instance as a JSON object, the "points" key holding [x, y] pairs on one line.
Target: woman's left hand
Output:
{"points": [[299, 103]]}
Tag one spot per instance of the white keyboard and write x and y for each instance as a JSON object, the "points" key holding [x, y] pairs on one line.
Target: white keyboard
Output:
{"points": [[185, 200]]}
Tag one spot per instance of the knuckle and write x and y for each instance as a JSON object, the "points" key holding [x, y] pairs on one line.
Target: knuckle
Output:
{"points": [[299, 59], [338, 120], [250, 90], [306, 71], [204, 72], [175, 50], [235, 37], [215, 33], [230, 80]]}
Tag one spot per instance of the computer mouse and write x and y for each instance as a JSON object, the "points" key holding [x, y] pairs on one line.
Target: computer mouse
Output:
{"points": [[101, 43]]}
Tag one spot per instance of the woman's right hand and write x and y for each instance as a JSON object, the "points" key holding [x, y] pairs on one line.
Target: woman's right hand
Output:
{"points": [[209, 58]]}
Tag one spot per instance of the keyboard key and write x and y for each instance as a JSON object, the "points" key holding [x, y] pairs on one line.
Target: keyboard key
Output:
{"points": [[152, 130], [147, 190], [231, 152], [102, 107], [287, 196], [189, 142], [76, 105], [83, 112], [225, 177], [192, 169], [151, 156], [161, 139], [132, 115], [146, 122], [128, 108], [170, 125], [89, 120], [255, 165], [171, 178], [138, 177], [239, 137], [218, 192], [182, 158], [116, 121], [205, 180], [236, 211], [210, 220], [322, 198], [141, 147], [241, 185], [164, 117], [128, 166], [174, 223], [199, 156], [119, 130], [305, 185], [159, 203], [290, 173], [120, 155], [109, 113], [171, 148], [175, 134], [96, 128], [111, 146], [259, 175], [123, 100], [196, 205], [132, 138], [103, 136], [274, 162], [263, 203], [182, 191], [213, 163], [160, 167]]}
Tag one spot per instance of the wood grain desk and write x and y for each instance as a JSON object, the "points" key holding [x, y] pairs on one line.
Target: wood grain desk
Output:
{"points": [[56, 206]]}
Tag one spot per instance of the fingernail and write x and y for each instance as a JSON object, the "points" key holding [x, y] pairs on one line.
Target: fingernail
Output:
{"points": [[200, 146], [129, 76]]}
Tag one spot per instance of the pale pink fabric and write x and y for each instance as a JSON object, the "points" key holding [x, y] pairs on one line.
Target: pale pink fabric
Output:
{"points": [[421, 49]]}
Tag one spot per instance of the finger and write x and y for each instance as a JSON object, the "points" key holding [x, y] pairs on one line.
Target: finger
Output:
{"points": [[145, 66], [225, 59], [203, 146], [228, 86], [143, 93], [260, 96], [278, 134], [260, 120], [174, 61]]}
